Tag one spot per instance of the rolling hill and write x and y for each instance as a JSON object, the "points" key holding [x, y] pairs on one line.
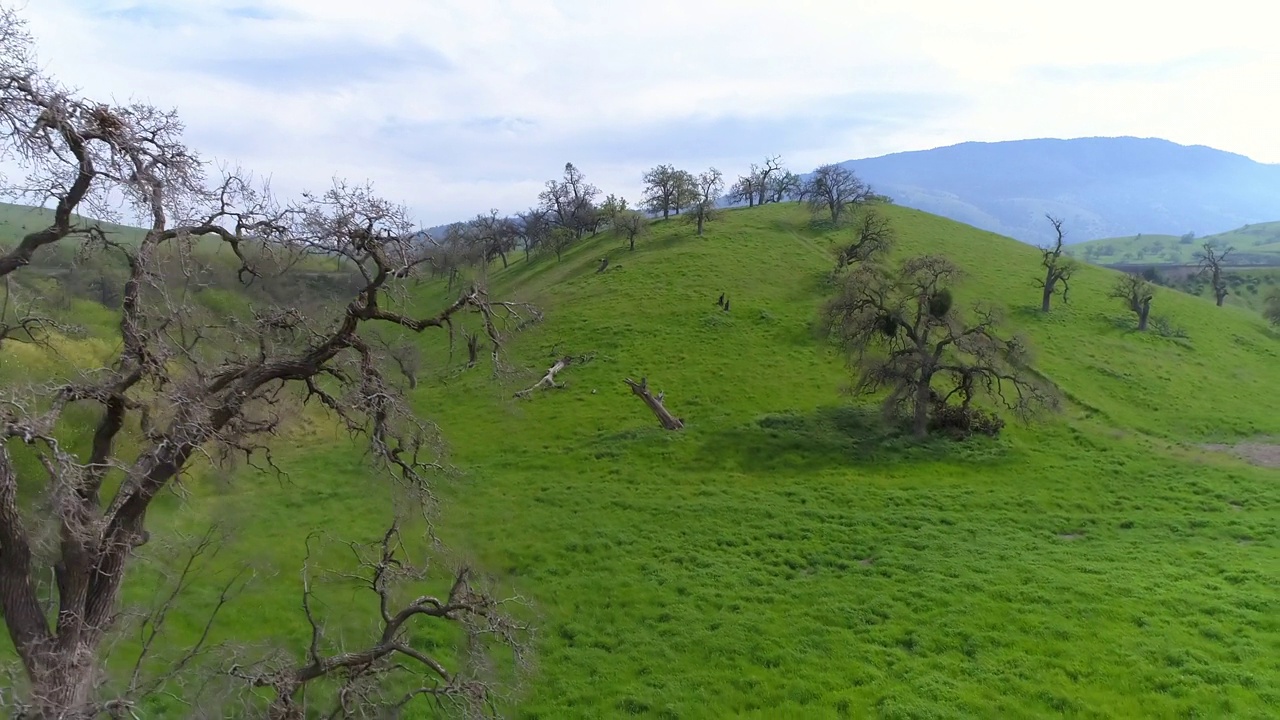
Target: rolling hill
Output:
{"points": [[1102, 187], [785, 555], [1255, 244]]}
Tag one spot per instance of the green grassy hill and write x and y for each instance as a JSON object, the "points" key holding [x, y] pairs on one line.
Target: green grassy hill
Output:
{"points": [[783, 556], [1248, 287], [1257, 244]]}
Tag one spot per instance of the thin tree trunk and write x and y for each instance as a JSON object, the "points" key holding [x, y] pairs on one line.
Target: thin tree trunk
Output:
{"points": [[1142, 315], [1048, 295]]}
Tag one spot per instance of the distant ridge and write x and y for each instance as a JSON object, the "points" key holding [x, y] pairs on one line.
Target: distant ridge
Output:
{"points": [[1102, 187]]}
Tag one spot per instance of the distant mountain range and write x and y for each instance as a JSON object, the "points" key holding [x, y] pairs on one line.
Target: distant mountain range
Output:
{"points": [[1101, 187]]}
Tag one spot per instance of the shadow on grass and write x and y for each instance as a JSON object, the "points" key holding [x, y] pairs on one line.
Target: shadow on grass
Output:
{"points": [[832, 437]]}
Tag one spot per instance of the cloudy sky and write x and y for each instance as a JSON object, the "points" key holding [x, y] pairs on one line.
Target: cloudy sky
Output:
{"points": [[456, 106]]}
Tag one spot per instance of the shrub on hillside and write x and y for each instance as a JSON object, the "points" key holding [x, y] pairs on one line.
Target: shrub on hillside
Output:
{"points": [[961, 422], [1271, 310]]}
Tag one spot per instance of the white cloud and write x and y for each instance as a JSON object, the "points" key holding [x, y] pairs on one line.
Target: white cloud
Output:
{"points": [[455, 106]]}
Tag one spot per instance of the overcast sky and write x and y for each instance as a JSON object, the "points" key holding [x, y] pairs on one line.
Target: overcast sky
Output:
{"points": [[456, 106]]}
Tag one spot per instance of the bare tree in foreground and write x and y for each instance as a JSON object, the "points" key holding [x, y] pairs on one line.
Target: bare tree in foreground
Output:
{"points": [[904, 336], [1136, 294], [384, 567], [182, 386], [1210, 261], [1057, 269]]}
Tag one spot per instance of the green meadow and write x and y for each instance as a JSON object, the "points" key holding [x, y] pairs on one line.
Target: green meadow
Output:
{"points": [[1257, 244], [787, 555]]}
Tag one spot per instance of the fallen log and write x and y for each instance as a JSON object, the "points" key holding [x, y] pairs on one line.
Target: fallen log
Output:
{"points": [[641, 390], [548, 381]]}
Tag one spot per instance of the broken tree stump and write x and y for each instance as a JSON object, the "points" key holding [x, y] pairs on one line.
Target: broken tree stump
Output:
{"points": [[641, 389], [604, 265], [548, 381]]}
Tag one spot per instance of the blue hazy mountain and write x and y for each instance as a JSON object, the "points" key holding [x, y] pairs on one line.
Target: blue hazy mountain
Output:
{"points": [[1101, 187]]}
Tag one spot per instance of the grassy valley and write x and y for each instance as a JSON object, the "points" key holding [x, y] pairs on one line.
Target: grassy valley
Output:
{"points": [[785, 554]]}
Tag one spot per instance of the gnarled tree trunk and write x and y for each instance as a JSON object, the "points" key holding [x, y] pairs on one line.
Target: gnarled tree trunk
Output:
{"points": [[1144, 310]]}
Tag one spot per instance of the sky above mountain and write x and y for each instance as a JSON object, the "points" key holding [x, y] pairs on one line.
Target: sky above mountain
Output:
{"points": [[456, 106]]}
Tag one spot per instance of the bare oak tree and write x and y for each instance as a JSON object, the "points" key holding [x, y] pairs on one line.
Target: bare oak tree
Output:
{"points": [[709, 185], [744, 189], [1271, 308], [181, 386], [1210, 261], [532, 229], [1136, 294], [1057, 269], [764, 176], [873, 236], [686, 193], [570, 202], [631, 224], [833, 188], [784, 186], [661, 186], [904, 336]]}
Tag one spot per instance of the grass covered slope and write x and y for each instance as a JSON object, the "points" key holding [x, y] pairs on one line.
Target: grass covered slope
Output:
{"points": [[782, 556], [1257, 244]]}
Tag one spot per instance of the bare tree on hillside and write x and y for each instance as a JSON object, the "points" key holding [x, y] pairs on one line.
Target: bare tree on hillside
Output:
{"points": [[744, 189], [832, 189], [492, 235], [1136, 294], [903, 335], [532, 228], [686, 194], [872, 237], [661, 185], [611, 208], [570, 202], [180, 388], [1271, 309], [764, 176], [709, 186], [784, 186], [1057, 269], [1211, 261], [631, 224], [756, 186]]}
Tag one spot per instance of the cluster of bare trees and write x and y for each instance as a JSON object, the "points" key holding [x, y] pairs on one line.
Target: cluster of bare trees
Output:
{"points": [[831, 191], [183, 388], [770, 182]]}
